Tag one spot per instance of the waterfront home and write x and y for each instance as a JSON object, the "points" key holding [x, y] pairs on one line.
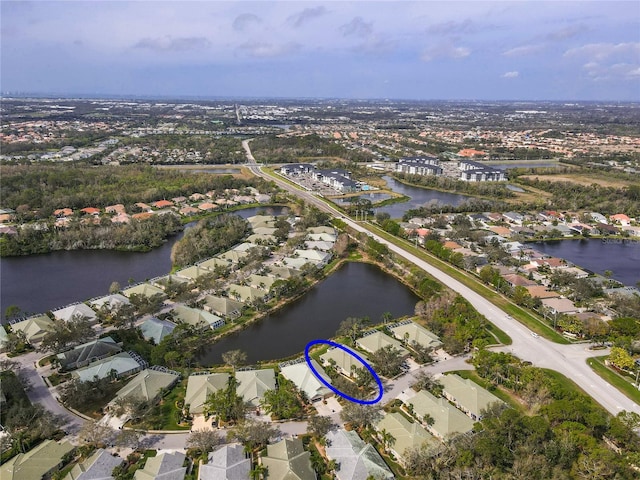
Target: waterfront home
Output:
{"points": [[168, 280], [154, 329], [212, 263], [77, 310], [322, 237], [305, 380], [406, 435], [557, 306], [356, 459], [410, 332], [207, 206], [253, 383], [34, 328], [110, 302], [262, 221], [148, 384], [86, 353], [468, 396], [295, 262], [38, 463], [145, 290], [315, 256], [193, 272], [375, 340], [3, 337], [233, 256], [196, 317], [229, 462], [287, 460], [223, 306], [164, 466], [621, 219], [245, 294], [261, 282], [285, 273], [447, 419], [97, 467], [322, 246], [200, 386], [344, 362], [262, 239], [625, 291], [264, 230], [118, 365], [187, 211]]}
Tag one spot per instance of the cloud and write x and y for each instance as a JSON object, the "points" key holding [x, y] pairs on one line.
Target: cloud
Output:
{"points": [[566, 33], [268, 50], [245, 20], [602, 51], [170, 44], [619, 71], [513, 74], [300, 18], [453, 28], [523, 50], [357, 27], [445, 51]]}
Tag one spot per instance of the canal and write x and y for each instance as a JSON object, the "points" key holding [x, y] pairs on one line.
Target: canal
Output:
{"points": [[355, 290]]}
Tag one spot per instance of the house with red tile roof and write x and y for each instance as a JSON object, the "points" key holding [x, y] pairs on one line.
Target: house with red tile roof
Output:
{"points": [[206, 206], [142, 216], [470, 152], [621, 218], [91, 211], [63, 212], [117, 208], [163, 204]]}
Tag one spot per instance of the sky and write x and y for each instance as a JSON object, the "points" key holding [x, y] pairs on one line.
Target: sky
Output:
{"points": [[450, 50]]}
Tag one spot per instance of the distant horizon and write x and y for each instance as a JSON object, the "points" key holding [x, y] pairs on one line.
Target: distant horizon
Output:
{"points": [[181, 97], [485, 50]]}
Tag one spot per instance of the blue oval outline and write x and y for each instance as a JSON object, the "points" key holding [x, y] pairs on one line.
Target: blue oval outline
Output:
{"points": [[353, 354]]}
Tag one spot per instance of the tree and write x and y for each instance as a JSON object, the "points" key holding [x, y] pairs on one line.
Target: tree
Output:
{"points": [[387, 439], [352, 327], [621, 358], [226, 404], [360, 416], [12, 311], [234, 358], [425, 381], [96, 434], [128, 438], [204, 441], [114, 287], [283, 401], [319, 425], [67, 334], [253, 434], [387, 361]]}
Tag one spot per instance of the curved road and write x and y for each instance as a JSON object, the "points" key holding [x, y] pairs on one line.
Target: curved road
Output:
{"points": [[570, 360]]}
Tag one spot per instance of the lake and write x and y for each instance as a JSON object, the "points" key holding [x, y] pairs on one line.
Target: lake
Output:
{"points": [[622, 257], [418, 197], [355, 290], [37, 283], [372, 197]]}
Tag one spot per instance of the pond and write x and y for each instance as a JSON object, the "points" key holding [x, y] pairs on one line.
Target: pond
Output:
{"points": [[621, 257], [355, 290], [37, 283], [372, 197], [418, 197]]}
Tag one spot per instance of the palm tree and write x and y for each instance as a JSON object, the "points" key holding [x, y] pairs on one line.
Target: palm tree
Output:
{"points": [[387, 439], [258, 472]]}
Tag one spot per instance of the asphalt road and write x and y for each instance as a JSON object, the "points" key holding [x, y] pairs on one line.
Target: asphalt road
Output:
{"points": [[570, 360]]}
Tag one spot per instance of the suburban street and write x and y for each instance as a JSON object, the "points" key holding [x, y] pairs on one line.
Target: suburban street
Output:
{"points": [[570, 360]]}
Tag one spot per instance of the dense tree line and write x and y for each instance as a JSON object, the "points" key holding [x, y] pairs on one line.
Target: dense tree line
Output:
{"points": [[137, 235], [560, 435], [44, 188], [273, 148], [209, 237]]}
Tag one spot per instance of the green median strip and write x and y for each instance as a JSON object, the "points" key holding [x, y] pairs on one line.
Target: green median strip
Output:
{"points": [[613, 378]]}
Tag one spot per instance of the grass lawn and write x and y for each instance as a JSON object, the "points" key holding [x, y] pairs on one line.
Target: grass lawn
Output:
{"points": [[621, 383], [503, 395], [169, 409]]}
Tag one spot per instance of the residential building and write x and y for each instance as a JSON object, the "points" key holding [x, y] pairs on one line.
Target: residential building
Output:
{"points": [[223, 306], [38, 463], [229, 462], [110, 302], [97, 467], [287, 460], [356, 459], [471, 171], [558, 306], [86, 353], [253, 383], [165, 466], [34, 328], [305, 380], [296, 169], [118, 365], [316, 257], [154, 329], [77, 310], [376, 340], [145, 290], [344, 362], [406, 435], [148, 384], [199, 387], [337, 178], [411, 332], [447, 419], [193, 272], [468, 396], [245, 294], [196, 317], [419, 166]]}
